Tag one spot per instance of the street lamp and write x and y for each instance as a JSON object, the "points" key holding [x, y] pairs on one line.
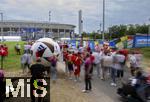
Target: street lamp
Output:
{"points": [[49, 16], [100, 28], [103, 37], [103, 20], [1, 13], [148, 34]]}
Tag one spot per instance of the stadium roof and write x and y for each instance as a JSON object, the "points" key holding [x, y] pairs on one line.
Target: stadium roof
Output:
{"points": [[42, 22]]}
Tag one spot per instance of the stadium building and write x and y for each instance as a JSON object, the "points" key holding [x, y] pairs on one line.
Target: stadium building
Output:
{"points": [[30, 30]]}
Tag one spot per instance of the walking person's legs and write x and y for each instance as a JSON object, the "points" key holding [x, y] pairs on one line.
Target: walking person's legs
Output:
{"points": [[19, 52], [98, 69], [53, 74], [113, 76], [66, 67], [86, 84], [70, 68], [90, 84], [102, 73]]}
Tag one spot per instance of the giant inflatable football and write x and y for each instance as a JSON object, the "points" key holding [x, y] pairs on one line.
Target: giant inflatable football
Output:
{"points": [[44, 48]]}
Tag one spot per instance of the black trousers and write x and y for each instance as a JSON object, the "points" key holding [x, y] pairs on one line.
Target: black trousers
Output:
{"points": [[88, 84]]}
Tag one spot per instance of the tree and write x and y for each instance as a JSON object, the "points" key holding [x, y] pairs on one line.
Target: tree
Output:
{"points": [[118, 31]]}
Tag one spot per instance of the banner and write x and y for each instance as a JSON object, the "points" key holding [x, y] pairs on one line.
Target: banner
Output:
{"points": [[142, 41], [73, 43], [130, 42], [124, 38], [92, 45]]}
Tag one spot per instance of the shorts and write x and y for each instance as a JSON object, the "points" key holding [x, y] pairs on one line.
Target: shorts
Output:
{"points": [[70, 67], [77, 70]]}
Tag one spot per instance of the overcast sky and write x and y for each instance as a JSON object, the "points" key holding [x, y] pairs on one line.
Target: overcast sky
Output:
{"points": [[66, 11]]}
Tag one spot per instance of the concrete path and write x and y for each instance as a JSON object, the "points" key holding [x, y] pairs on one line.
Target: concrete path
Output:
{"points": [[102, 91]]}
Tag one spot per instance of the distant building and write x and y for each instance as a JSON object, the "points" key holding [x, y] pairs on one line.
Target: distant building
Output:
{"points": [[30, 30]]}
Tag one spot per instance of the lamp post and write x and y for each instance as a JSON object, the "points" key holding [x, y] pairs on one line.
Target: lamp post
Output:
{"points": [[148, 34], [100, 28], [1, 13], [49, 16], [103, 37]]}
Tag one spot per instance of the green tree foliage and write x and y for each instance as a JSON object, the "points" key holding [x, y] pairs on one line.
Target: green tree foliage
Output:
{"points": [[118, 31]]}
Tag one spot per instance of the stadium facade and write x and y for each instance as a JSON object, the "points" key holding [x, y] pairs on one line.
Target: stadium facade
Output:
{"points": [[30, 30]]}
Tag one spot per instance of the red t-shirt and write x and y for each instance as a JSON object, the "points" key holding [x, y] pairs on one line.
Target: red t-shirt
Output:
{"points": [[73, 57], [65, 55], [69, 57], [78, 60], [6, 49], [124, 52], [3, 51]]}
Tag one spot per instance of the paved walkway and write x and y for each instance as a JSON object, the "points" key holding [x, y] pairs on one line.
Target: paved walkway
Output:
{"points": [[102, 91]]}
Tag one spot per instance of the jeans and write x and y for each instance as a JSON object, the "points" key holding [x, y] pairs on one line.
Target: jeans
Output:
{"points": [[53, 73], [97, 66], [120, 73], [88, 85], [113, 74], [104, 71], [66, 67]]}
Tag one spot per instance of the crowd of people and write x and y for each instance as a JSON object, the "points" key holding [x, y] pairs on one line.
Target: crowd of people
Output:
{"points": [[106, 61]]}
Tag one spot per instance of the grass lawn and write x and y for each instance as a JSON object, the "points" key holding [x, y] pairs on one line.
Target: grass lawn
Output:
{"points": [[12, 61], [146, 53], [146, 62]]}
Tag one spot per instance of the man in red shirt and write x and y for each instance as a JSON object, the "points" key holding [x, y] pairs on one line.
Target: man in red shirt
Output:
{"points": [[6, 49], [77, 63]]}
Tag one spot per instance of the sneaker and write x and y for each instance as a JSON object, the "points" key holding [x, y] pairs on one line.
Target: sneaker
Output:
{"points": [[75, 80], [70, 78], [113, 84], [102, 78], [84, 91]]}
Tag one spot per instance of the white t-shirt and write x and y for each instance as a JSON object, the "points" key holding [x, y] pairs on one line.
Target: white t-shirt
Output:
{"points": [[117, 58], [107, 61], [138, 59], [97, 57], [133, 61]]}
